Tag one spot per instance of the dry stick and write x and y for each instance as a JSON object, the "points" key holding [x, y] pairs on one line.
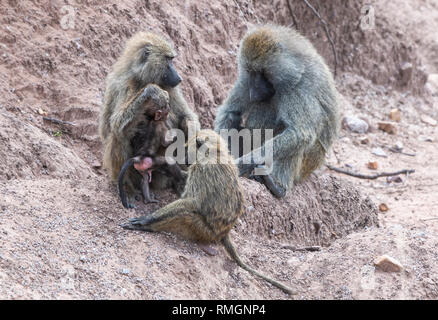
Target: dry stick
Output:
{"points": [[57, 121], [401, 152], [311, 248], [327, 33], [435, 218], [370, 177], [294, 18]]}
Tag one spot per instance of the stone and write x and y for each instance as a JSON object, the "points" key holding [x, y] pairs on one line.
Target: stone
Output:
{"points": [[388, 264], [355, 124], [428, 120], [395, 115], [383, 207], [379, 152], [432, 83], [373, 165], [388, 127], [406, 71]]}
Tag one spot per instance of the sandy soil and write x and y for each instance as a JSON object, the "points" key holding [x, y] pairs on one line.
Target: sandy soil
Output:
{"points": [[59, 215]]}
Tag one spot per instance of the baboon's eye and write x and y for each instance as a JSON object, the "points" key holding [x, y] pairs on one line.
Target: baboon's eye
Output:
{"points": [[145, 54]]}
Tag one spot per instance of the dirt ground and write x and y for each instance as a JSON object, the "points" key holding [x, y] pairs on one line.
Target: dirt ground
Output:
{"points": [[59, 215]]}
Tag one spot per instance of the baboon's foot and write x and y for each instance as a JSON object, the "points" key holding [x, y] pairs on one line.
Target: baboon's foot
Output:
{"points": [[139, 223], [276, 189], [207, 249], [151, 199]]}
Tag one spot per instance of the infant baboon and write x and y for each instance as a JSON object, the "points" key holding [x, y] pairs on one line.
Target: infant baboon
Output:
{"points": [[147, 59], [211, 203], [284, 85], [149, 144]]}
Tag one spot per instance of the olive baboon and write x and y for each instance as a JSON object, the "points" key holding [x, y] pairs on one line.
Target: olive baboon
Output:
{"points": [[147, 58], [283, 84], [211, 203], [149, 144]]}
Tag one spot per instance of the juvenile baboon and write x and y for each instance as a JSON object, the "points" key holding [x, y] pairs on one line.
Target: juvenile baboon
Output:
{"points": [[147, 59], [149, 144], [211, 203], [283, 84]]}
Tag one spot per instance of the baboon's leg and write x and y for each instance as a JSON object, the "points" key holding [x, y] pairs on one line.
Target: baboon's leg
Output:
{"points": [[128, 163], [178, 217], [148, 197]]}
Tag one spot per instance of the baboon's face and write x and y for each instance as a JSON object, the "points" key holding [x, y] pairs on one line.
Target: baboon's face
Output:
{"points": [[260, 88], [158, 68]]}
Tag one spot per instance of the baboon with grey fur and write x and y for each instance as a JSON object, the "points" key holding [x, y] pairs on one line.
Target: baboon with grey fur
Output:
{"points": [[283, 84], [147, 59]]}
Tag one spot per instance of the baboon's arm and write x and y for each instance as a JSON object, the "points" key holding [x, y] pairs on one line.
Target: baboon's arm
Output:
{"points": [[230, 113], [124, 116], [299, 133]]}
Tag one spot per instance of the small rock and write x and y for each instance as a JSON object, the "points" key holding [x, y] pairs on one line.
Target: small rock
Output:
{"points": [[364, 140], [379, 152], [83, 258], [426, 138], [396, 179], [388, 127], [373, 165], [432, 83], [398, 146], [355, 124], [388, 264], [126, 271], [383, 207], [428, 120], [395, 115]]}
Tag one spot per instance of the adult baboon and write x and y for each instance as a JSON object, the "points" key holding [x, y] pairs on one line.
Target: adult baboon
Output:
{"points": [[147, 58], [283, 84]]}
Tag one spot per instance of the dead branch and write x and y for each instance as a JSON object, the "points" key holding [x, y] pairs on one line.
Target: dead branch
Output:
{"points": [[294, 18], [60, 122], [428, 219], [370, 177], [327, 32], [401, 152], [311, 248]]}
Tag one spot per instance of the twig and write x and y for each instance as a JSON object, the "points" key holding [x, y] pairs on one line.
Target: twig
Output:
{"points": [[399, 151], [370, 177], [327, 33], [294, 18], [428, 219], [311, 248], [57, 121], [241, 12]]}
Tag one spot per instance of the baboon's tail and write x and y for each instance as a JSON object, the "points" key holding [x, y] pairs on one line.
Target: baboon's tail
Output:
{"points": [[122, 193], [226, 241]]}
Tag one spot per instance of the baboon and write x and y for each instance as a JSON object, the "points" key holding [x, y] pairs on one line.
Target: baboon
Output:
{"points": [[211, 203], [149, 144], [283, 84], [147, 58]]}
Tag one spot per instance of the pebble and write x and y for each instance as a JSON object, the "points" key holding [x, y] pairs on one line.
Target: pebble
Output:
{"points": [[388, 127], [428, 120], [379, 152], [355, 124], [395, 115], [126, 271], [373, 165], [388, 264]]}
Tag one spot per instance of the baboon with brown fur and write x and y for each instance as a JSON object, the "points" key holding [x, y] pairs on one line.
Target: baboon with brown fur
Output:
{"points": [[211, 203], [147, 58], [284, 85], [149, 144]]}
